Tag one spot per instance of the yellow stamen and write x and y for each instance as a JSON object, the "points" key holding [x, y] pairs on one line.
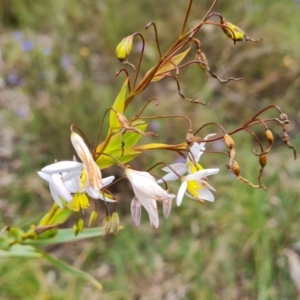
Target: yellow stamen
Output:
{"points": [[80, 200], [193, 186]]}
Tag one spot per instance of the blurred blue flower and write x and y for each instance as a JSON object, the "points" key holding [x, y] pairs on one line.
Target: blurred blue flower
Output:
{"points": [[65, 62], [27, 46], [14, 80], [21, 112]]}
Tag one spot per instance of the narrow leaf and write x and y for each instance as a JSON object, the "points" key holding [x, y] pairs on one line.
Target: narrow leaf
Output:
{"points": [[18, 250], [65, 236], [168, 66], [74, 271], [119, 106]]}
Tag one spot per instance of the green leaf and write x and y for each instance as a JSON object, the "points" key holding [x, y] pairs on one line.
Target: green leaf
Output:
{"points": [[114, 147], [168, 66], [119, 106], [65, 236], [76, 272], [18, 250], [56, 215]]}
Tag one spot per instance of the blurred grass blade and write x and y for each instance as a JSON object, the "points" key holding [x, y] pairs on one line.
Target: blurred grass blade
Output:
{"points": [[18, 250], [65, 236], [67, 268]]}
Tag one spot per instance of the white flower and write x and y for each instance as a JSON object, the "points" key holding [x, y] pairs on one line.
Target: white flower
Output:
{"points": [[195, 186], [147, 192], [182, 168], [70, 177]]}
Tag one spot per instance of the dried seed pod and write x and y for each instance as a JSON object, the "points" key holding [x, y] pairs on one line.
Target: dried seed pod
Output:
{"points": [[263, 160], [229, 142], [236, 169], [269, 136]]}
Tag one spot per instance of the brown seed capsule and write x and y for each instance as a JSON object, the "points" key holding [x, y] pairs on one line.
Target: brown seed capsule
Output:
{"points": [[284, 117], [263, 160], [269, 136], [189, 137], [228, 141], [236, 169]]}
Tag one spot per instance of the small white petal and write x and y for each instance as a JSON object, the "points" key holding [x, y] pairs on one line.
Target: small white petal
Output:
{"points": [[136, 211], [62, 166], [44, 176], [154, 219], [101, 197], [167, 205], [201, 174], [179, 168], [59, 188], [204, 194], [73, 174], [55, 195], [181, 192], [107, 180]]}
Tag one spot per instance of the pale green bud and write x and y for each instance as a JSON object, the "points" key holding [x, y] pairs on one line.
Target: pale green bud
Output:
{"points": [[93, 218], [115, 223], [124, 48], [106, 225]]}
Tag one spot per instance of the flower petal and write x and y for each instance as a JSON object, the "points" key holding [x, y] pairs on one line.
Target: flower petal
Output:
{"points": [[62, 166], [204, 194], [167, 205], [181, 192], [44, 176], [93, 171], [107, 180], [136, 211], [179, 168], [201, 174]]}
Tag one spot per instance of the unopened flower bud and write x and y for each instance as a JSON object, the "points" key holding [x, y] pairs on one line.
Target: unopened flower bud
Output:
{"points": [[93, 217], [75, 229], [236, 169], [80, 225], [233, 32], [115, 223], [124, 48], [263, 160], [228, 141], [106, 225], [269, 136]]}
